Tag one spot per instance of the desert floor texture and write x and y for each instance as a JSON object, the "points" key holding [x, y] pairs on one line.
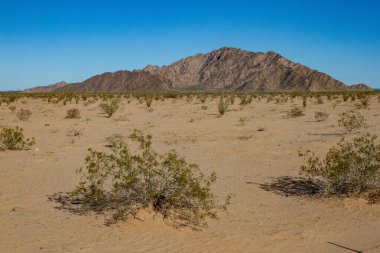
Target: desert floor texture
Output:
{"points": [[255, 167]]}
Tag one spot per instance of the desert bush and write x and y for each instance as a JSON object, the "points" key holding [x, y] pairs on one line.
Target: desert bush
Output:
{"points": [[364, 103], [73, 113], [115, 140], [134, 177], [295, 112], [348, 168], [304, 101], [351, 121], [204, 107], [321, 116], [110, 107], [222, 106], [373, 196], [13, 139], [24, 114], [319, 100], [242, 120], [148, 101], [232, 99], [12, 108]]}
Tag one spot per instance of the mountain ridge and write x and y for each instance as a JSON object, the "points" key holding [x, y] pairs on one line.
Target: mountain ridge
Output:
{"points": [[227, 68]]}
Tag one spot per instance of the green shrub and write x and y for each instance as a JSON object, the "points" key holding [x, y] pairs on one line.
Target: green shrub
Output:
{"points": [[13, 139], [222, 106], [351, 121], [110, 107], [321, 116], [128, 180], [24, 114], [73, 113], [348, 168], [295, 112]]}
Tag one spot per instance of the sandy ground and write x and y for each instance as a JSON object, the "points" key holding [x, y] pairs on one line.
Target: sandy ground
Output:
{"points": [[248, 162]]}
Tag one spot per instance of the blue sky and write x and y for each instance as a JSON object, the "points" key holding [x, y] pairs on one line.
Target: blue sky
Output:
{"points": [[43, 42]]}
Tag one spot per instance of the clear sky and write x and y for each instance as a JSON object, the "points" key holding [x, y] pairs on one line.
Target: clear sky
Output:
{"points": [[43, 42]]}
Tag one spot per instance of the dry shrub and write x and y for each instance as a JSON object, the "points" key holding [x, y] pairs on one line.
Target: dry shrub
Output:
{"points": [[135, 177], [349, 168], [295, 112], [14, 139], [351, 121], [24, 114], [222, 106], [321, 116], [73, 113], [110, 107]]}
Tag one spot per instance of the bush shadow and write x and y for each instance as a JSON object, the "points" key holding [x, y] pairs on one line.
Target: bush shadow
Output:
{"points": [[294, 186]]}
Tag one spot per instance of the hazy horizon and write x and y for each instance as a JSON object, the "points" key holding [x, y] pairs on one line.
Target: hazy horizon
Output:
{"points": [[45, 42]]}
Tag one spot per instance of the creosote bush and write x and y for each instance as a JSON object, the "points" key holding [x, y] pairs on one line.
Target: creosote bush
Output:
{"points": [[321, 116], [110, 107], [295, 112], [13, 139], [135, 177], [349, 168], [73, 113], [24, 114], [351, 121], [222, 106]]}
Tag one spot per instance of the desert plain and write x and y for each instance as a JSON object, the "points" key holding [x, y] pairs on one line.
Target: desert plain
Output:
{"points": [[253, 149]]}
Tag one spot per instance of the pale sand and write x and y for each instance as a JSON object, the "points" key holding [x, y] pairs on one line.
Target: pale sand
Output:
{"points": [[243, 158]]}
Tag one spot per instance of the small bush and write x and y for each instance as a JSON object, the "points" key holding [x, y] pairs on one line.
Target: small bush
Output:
{"points": [[148, 101], [24, 114], [13, 139], [351, 121], [109, 108], [321, 116], [295, 112], [304, 101], [73, 113], [348, 168], [128, 180], [242, 120], [12, 108], [222, 106], [204, 107], [319, 100]]}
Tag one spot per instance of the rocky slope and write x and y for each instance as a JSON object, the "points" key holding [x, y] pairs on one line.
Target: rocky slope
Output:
{"points": [[48, 88], [222, 69], [119, 81]]}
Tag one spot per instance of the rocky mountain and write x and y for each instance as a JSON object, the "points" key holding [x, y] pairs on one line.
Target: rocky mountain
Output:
{"points": [[360, 87], [119, 81], [223, 69], [48, 88]]}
